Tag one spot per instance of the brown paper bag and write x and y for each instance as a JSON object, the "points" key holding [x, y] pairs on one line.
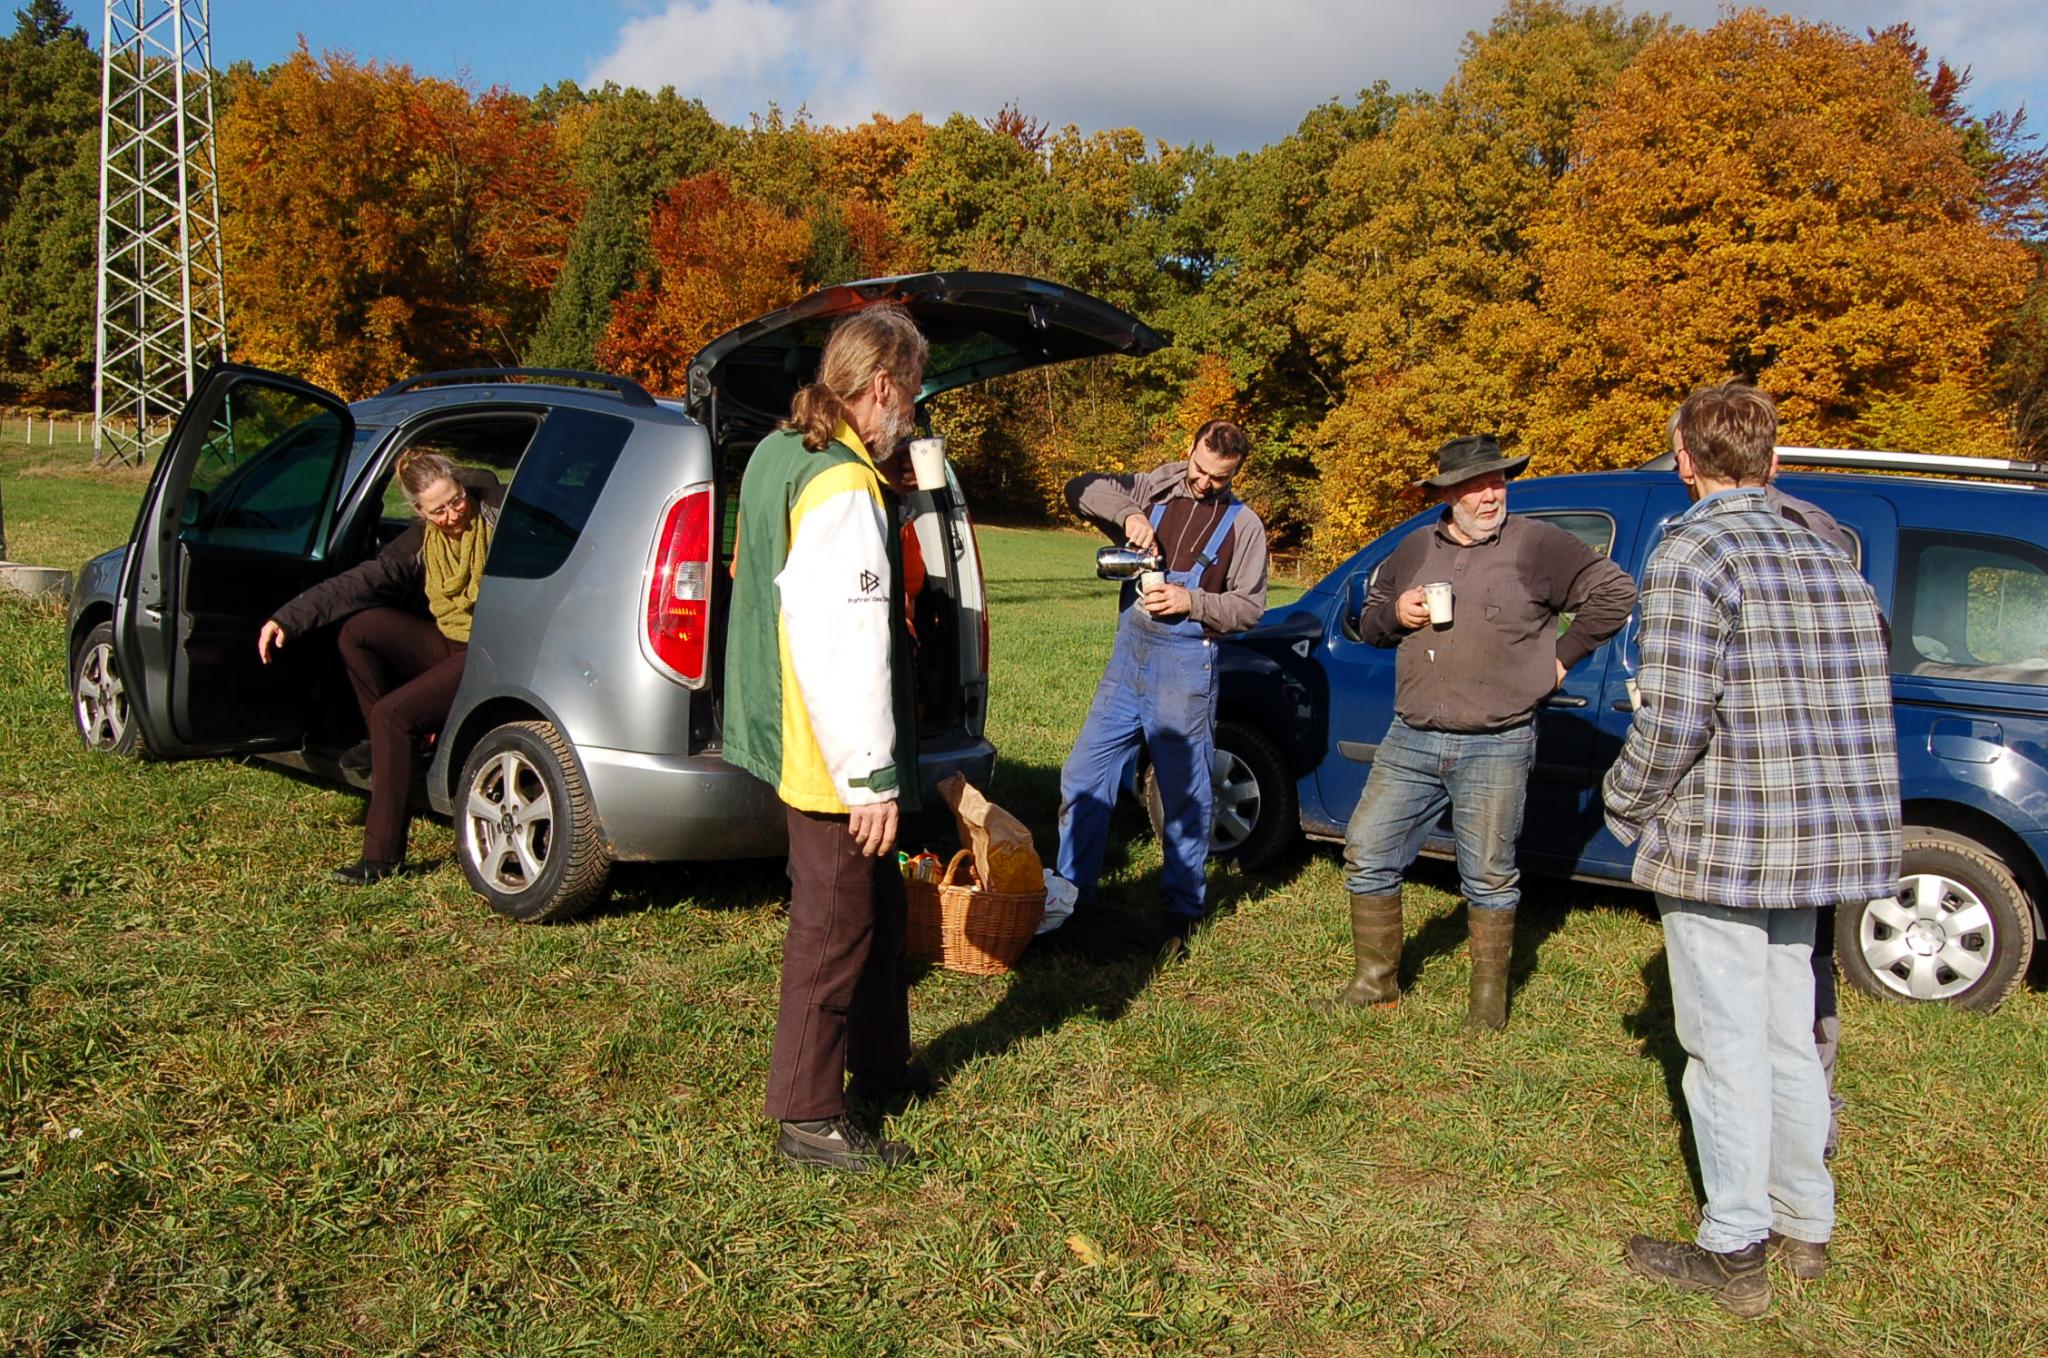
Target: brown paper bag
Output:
{"points": [[1004, 856]]}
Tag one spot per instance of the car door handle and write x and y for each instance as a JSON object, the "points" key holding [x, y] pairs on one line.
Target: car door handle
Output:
{"points": [[1563, 700], [1621, 705]]}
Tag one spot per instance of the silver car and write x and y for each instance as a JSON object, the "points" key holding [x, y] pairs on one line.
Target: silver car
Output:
{"points": [[587, 727]]}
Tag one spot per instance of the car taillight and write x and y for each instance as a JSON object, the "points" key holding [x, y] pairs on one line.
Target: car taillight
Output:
{"points": [[679, 587]]}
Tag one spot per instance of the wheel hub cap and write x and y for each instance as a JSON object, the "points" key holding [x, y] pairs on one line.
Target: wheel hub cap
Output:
{"points": [[1933, 941]]}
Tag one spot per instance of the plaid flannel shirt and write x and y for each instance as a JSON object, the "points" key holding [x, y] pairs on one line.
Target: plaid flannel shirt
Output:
{"points": [[1761, 769]]}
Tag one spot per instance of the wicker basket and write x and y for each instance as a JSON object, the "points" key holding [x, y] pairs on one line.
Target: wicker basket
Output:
{"points": [[956, 924]]}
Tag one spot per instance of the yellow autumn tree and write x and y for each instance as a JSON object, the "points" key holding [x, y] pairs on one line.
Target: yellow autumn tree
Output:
{"points": [[1778, 201], [1419, 292]]}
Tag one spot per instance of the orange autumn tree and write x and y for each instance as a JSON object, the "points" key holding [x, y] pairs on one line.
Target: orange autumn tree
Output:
{"points": [[378, 224], [719, 259], [1778, 201]]}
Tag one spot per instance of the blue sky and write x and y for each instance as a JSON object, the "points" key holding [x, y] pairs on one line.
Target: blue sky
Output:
{"points": [[1233, 73]]}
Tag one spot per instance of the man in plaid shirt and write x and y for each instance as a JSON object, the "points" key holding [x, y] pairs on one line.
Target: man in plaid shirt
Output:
{"points": [[1759, 783]]}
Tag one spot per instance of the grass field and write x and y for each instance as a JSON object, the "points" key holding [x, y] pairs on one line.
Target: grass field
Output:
{"points": [[245, 1111]]}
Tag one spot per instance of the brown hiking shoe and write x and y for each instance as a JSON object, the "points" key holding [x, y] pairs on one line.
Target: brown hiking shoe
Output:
{"points": [[1737, 1279], [1806, 1259]]}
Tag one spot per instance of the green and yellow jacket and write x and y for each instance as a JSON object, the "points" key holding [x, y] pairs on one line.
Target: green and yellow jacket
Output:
{"points": [[818, 700]]}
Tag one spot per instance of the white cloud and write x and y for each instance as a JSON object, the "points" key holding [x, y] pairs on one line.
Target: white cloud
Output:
{"points": [[1239, 74]]}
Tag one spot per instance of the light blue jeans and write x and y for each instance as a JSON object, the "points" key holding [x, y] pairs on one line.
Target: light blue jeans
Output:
{"points": [[1742, 996], [1483, 776]]}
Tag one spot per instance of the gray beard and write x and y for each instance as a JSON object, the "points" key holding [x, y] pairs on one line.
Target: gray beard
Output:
{"points": [[895, 430], [1469, 524]]}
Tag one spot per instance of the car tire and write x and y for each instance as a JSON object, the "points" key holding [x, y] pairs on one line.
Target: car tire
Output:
{"points": [[1960, 931], [100, 712], [1257, 819], [525, 831]]}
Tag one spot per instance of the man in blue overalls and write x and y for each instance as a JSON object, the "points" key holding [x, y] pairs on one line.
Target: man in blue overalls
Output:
{"points": [[1160, 686]]}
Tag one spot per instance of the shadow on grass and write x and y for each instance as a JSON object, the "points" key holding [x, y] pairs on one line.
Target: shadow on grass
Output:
{"points": [[1653, 1027], [1545, 904], [1095, 965], [738, 884], [1099, 961]]}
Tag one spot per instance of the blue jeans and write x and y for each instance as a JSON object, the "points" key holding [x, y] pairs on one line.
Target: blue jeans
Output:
{"points": [[1159, 688], [1483, 776], [1742, 996]]}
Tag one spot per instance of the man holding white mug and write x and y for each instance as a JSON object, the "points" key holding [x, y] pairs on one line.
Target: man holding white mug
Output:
{"points": [[1471, 606]]}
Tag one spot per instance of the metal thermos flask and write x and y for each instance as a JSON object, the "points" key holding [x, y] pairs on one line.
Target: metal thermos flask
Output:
{"points": [[1126, 563]]}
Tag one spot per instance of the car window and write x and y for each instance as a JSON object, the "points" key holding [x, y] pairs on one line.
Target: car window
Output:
{"points": [[1591, 527], [264, 475], [1972, 607], [490, 443], [556, 489]]}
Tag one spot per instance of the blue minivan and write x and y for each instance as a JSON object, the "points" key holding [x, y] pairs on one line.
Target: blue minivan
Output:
{"points": [[1960, 567]]}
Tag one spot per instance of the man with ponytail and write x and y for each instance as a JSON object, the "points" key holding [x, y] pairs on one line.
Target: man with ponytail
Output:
{"points": [[819, 706], [408, 612]]}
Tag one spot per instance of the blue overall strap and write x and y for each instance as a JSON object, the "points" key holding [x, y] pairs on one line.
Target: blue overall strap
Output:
{"points": [[1214, 547]]}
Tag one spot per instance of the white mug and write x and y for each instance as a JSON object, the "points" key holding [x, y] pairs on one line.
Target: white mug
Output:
{"points": [[928, 463], [1438, 597]]}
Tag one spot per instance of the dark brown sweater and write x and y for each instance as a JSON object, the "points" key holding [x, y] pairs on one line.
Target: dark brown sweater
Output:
{"points": [[1498, 658]]}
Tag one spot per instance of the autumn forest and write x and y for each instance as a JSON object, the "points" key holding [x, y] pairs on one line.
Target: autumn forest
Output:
{"points": [[1597, 213]]}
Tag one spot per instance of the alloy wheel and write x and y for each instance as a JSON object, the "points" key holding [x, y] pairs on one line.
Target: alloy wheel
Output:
{"points": [[102, 700], [509, 820]]}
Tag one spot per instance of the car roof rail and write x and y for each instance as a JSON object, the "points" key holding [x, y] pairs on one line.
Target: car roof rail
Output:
{"points": [[1880, 460], [626, 387]]}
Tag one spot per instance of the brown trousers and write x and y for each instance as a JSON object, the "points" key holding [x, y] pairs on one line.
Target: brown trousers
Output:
{"points": [[845, 1001], [405, 674]]}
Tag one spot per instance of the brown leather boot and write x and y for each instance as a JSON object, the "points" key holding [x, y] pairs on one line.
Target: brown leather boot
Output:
{"points": [[1490, 938], [1376, 941]]}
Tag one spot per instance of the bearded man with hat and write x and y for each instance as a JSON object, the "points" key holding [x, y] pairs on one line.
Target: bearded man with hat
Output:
{"points": [[1466, 688]]}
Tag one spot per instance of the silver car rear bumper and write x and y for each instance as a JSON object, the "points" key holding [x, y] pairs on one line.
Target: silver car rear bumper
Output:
{"points": [[676, 808]]}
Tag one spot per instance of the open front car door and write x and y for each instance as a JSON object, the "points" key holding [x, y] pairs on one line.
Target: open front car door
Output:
{"points": [[235, 522]]}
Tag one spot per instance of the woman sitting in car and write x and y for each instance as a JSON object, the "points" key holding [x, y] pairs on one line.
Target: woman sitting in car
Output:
{"points": [[407, 635]]}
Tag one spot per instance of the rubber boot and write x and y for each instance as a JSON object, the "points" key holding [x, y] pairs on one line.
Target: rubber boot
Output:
{"points": [[1490, 938], [1376, 941]]}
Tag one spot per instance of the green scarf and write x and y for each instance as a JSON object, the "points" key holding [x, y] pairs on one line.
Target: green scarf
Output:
{"points": [[455, 567]]}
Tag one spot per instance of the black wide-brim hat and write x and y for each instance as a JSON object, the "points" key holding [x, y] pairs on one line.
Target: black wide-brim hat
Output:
{"points": [[1473, 455]]}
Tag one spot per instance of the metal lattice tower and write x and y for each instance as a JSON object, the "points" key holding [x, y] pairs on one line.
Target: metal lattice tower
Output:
{"points": [[162, 309]]}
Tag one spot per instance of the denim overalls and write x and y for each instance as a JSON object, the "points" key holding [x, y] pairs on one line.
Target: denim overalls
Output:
{"points": [[1160, 687]]}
